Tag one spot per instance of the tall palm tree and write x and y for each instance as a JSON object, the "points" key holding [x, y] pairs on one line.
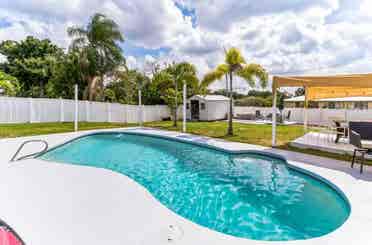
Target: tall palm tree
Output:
{"points": [[235, 65], [98, 46]]}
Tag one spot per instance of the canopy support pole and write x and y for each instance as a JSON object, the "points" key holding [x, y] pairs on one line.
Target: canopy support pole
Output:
{"points": [[273, 134], [140, 112], [184, 107], [306, 118], [76, 117]]}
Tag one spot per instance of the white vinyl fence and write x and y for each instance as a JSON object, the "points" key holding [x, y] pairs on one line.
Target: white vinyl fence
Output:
{"points": [[21, 110], [324, 117], [252, 110], [320, 117]]}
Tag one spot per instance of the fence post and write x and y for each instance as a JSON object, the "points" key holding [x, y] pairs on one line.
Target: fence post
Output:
{"points": [[87, 112], [126, 113], [159, 113], [108, 108], [31, 110], [76, 119], [346, 120], [10, 110], [61, 110]]}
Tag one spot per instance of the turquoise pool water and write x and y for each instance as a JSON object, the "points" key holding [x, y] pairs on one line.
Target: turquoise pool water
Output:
{"points": [[244, 195]]}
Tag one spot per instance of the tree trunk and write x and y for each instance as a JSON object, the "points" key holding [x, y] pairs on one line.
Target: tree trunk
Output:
{"points": [[41, 88], [227, 85], [101, 88], [88, 88], [176, 107], [227, 91], [86, 93], [92, 88], [230, 128]]}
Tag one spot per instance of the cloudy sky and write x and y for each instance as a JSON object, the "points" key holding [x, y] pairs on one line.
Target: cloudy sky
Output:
{"points": [[285, 36]]}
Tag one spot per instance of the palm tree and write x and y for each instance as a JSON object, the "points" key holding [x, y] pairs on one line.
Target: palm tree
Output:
{"points": [[235, 64], [98, 47]]}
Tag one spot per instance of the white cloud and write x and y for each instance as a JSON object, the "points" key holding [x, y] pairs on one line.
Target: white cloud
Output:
{"points": [[152, 24], [132, 62], [220, 15], [295, 37]]}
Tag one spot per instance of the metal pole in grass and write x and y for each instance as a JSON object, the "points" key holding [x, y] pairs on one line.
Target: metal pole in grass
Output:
{"points": [[140, 113], [273, 136], [76, 109], [184, 107]]}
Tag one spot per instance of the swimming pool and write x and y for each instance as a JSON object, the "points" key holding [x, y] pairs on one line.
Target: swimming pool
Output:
{"points": [[245, 195]]}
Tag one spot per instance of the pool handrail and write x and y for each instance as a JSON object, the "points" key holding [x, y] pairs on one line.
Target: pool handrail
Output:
{"points": [[14, 158]]}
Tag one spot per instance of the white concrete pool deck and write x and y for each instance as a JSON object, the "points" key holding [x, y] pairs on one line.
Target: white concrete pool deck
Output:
{"points": [[52, 203]]}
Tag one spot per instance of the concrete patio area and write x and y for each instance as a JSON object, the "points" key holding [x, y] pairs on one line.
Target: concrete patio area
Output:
{"points": [[326, 142], [52, 203]]}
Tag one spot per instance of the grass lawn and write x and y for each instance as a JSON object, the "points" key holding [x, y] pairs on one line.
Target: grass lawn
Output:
{"points": [[253, 134], [27, 129], [245, 133]]}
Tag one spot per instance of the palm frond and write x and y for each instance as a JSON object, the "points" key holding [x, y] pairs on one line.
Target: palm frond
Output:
{"points": [[234, 57], [210, 78], [253, 72], [76, 32], [78, 43], [222, 68]]}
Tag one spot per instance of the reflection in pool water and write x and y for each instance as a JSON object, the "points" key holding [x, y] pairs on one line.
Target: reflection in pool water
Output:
{"points": [[245, 195]]}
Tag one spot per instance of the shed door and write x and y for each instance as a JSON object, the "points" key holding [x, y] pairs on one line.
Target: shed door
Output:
{"points": [[194, 109]]}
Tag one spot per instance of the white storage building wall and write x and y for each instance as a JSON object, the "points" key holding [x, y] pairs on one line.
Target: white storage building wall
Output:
{"points": [[216, 107], [215, 110]]}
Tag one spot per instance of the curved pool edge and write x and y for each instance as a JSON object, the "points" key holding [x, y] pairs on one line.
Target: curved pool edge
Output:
{"points": [[354, 231], [190, 139], [261, 152]]}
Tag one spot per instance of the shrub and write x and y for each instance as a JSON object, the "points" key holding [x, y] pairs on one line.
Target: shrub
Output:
{"points": [[9, 84], [253, 101]]}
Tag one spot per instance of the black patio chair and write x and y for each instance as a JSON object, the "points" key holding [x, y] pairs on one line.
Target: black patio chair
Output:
{"points": [[364, 128], [356, 141], [259, 116], [340, 131], [279, 118], [288, 116]]}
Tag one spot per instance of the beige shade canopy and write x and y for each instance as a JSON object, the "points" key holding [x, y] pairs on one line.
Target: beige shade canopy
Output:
{"points": [[334, 86], [321, 87]]}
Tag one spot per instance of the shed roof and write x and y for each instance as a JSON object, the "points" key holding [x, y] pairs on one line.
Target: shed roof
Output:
{"points": [[210, 97]]}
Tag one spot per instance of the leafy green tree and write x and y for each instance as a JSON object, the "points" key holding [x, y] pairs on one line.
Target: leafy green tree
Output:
{"points": [[151, 94], [124, 89], [225, 92], [100, 53], [252, 101], [30, 61], [66, 73], [257, 93], [172, 98], [235, 65], [9, 84], [170, 82]]}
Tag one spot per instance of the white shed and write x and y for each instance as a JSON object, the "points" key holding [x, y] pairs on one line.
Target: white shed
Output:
{"points": [[207, 107]]}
